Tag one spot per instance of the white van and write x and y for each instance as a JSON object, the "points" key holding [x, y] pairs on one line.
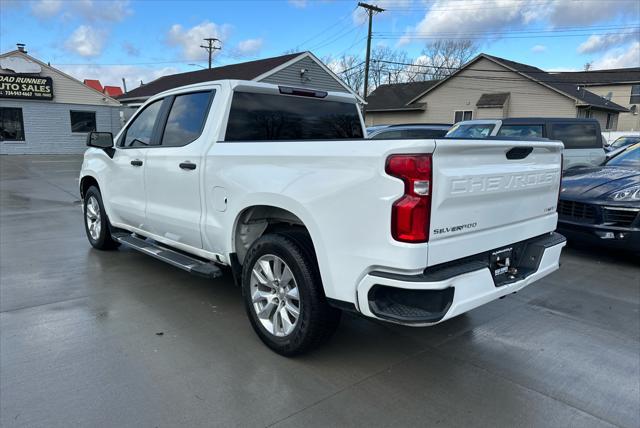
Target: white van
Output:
{"points": [[582, 138]]}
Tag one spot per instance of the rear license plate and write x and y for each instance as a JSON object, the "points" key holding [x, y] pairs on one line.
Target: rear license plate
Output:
{"points": [[501, 260]]}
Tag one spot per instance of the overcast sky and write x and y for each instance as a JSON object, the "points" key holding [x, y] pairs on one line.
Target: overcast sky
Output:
{"points": [[142, 40]]}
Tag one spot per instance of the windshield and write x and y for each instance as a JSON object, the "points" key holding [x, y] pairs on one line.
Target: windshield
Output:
{"points": [[474, 130], [625, 141], [630, 158]]}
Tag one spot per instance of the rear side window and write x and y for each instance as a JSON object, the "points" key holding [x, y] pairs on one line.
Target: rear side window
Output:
{"points": [[424, 133], [186, 119], [520, 131], [410, 134], [577, 135], [267, 117], [471, 131]]}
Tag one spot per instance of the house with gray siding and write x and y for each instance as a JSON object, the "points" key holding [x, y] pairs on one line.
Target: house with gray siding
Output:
{"points": [[301, 70], [45, 111], [488, 87]]}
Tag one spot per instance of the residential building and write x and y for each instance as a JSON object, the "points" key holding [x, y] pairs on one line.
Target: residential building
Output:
{"points": [[488, 87], [621, 85], [45, 111], [301, 69]]}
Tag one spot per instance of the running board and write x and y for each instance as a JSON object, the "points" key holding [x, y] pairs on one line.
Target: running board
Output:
{"points": [[174, 258]]}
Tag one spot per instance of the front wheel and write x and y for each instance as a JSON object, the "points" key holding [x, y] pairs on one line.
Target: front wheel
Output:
{"points": [[283, 294], [96, 223]]}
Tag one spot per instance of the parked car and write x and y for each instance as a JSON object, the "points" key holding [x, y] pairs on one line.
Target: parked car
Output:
{"points": [[602, 204], [409, 131], [583, 142], [621, 143], [280, 185], [611, 136]]}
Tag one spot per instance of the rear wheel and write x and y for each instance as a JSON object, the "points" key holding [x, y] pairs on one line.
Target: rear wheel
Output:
{"points": [[96, 222], [283, 294]]}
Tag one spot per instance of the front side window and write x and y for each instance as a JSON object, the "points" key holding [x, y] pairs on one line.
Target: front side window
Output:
{"points": [[635, 94], [186, 119], [520, 131], [577, 135], [460, 115], [83, 121], [11, 124], [264, 117], [140, 131]]}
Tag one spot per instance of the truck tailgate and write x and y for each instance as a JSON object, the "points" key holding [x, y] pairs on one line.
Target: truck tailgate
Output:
{"points": [[489, 193]]}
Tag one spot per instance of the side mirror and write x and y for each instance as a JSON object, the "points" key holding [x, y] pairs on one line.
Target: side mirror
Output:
{"points": [[101, 140]]}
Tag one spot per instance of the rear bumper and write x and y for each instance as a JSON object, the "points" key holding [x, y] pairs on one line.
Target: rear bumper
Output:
{"points": [[453, 288]]}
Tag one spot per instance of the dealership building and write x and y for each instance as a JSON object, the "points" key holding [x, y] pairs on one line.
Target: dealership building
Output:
{"points": [[45, 111]]}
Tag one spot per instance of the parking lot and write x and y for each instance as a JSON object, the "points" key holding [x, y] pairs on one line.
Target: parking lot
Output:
{"points": [[91, 338]]}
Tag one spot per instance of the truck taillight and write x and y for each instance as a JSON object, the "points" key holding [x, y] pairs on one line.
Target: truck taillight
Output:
{"points": [[411, 213]]}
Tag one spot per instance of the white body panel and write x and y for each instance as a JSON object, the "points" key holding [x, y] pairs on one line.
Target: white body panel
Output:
{"points": [[340, 192]]}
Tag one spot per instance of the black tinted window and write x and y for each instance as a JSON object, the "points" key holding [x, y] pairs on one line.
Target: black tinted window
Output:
{"points": [[259, 117], [83, 121], [11, 124], [140, 131], [186, 119], [520, 131], [577, 135], [424, 133], [384, 135]]}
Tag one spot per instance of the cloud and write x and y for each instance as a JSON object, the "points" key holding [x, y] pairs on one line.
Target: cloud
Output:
{"points": [[130, 49], [298, 3], [619, 58], [539, 49], [45, 9], [249, 47], [189, 40], [601, 43], [491, 19], [101, 11], [86, 41], [112, 75]]}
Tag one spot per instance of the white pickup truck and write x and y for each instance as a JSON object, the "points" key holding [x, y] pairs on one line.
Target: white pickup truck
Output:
{"points": [[280, 185]]}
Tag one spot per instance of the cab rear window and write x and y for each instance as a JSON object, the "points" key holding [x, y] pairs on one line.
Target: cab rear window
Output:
{"points": [[268, 117]]}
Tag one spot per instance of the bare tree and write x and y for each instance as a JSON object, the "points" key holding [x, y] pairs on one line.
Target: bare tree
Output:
{"points": [[588, 65], [444, 57], [351, 71]]}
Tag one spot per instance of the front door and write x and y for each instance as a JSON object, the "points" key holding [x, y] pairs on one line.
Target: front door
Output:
{"points": [[173, 170], [126, 188]]}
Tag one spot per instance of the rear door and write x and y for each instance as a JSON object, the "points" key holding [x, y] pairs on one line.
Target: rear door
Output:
{"points": [[173, 170], [488, 193]]}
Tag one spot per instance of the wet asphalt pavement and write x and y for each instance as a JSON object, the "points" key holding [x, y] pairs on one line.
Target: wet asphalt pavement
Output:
{"points": [[91, 338]]}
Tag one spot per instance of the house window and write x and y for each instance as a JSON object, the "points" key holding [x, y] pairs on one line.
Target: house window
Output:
{"points": [[11, 124], [635, 94], [461, 115], [83, 121], [609, 121]]}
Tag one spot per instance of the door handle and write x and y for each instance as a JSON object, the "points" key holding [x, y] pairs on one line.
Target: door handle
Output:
{"points": [[136, 162], [188, 165]]}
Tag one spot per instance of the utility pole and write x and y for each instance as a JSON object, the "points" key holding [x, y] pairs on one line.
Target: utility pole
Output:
{"points": [[210, 47], [371, 9]]}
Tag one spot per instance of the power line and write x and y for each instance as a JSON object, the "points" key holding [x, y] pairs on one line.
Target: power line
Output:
{"points": [[439, 37]]}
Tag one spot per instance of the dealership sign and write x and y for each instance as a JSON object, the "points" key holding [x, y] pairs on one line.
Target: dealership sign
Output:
{"points": [[24, 86]]}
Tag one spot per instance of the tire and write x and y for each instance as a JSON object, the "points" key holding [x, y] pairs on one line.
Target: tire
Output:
{"points": [[271, 304], [96, 222]]}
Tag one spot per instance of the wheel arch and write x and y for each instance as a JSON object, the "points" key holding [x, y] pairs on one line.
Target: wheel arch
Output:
{"points": [[256, 220], [86, 182]]}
